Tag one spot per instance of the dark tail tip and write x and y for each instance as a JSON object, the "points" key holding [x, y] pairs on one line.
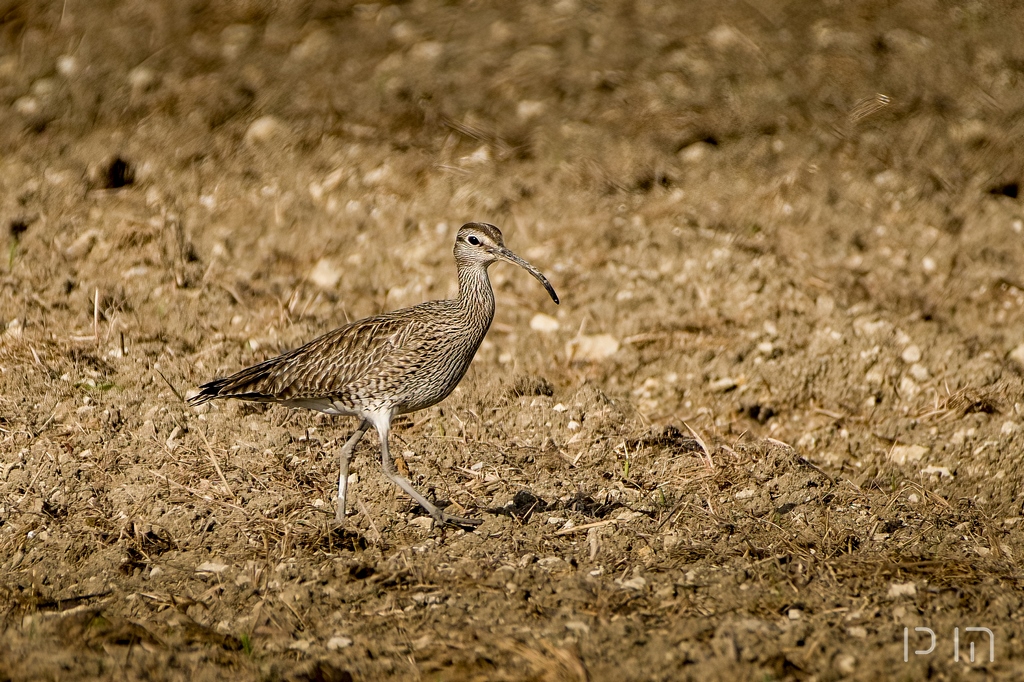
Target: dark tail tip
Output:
{"points": [[207, 392]]}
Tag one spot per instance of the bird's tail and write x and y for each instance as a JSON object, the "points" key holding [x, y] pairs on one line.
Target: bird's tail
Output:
{"points": [[252, 383]]}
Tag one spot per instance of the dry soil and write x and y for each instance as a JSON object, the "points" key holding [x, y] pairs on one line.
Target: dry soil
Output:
{"points": [[774, 425]]}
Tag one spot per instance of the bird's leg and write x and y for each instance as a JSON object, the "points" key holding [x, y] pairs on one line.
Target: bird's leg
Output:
{"points": [[440, 517], [346, 455]]}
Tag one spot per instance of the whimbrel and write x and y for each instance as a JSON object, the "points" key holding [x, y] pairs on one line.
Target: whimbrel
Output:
{"points": [[387, 365]]}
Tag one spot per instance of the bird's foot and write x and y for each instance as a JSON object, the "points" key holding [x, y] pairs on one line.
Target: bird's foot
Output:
{"points": [[443, 518]]}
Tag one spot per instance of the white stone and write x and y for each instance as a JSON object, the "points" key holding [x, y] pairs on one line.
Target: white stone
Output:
{"points": [[172, 440], [528, 109], [579, 627], [722, 385], [338, 642], [724, 36], [911, 354], [265, 129], [26, 106], [544, 323], [83, 244], [846, 664], [874, 376], [376, 176], [404, 32], [325, 274], [481, 155], [696, 152], [67, 65], [887, 179], [591, 348], [141, 79], [902, 590], [638, 583], [902, 454], [1017, 354], [211, 567], [865, 326], [919, 372], [428, 50]]}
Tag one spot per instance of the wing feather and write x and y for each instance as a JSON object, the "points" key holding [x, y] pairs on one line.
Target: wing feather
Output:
{"points": [[340, 363]]}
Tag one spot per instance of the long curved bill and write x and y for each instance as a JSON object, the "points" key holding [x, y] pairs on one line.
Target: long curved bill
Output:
{"points": [[507, 255]]}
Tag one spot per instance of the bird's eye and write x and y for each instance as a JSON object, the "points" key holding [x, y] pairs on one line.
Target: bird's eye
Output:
{"points": [[473, 240]]}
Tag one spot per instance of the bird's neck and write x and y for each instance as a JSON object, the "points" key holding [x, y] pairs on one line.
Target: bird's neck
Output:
{"points": [[475, 294]]}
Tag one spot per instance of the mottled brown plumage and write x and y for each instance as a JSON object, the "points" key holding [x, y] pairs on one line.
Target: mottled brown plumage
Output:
{"points": [[390, 364]]}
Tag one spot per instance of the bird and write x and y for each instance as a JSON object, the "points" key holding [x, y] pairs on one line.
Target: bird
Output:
{"points": [[387, 365]]}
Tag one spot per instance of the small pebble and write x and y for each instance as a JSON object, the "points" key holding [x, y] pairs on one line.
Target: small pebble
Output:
{"points": [[847, 663], [911, 354], [544, 323], [265, 129], [919, 372], [592, 348], [325, 274], [67, 65], [722, 385], [338, 642], [902, 454], [528, 109], [902, 590]]}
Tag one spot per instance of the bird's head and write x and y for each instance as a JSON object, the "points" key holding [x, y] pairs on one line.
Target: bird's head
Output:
{"points": [[480, 244]]}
